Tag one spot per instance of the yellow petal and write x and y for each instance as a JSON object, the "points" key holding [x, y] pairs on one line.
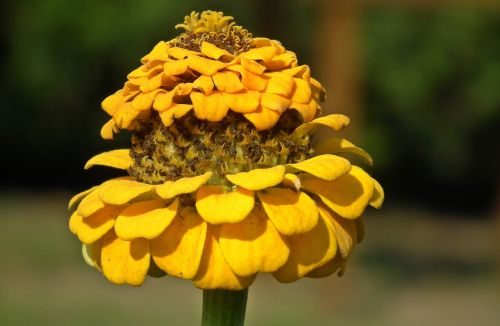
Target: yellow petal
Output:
{"points": [[90, 204], [292, 181], [281, 84], [187, 185], [176, 111], [334, 121], [211, 107], [301, 92], [164, 101], [107, 131], [152, 84], [214, 272], [336, 145], [291, 212], [159, 52], [303, 72], [378, 195], [178, 250], [213, 52], [124, 261], [258, 178], [308, 111], [263, 118], [253, 81], [345, 231], [253, 245], [252, 66], [318, 91], [125, 115], [145, 219], [265, 53], [308, 251], [205, 83], [217, 205], [76, 199], [144, 101], [180, 53], [112, 102], [119, 192], [327, 167], [328, 269], [282, 61], [275, 102], [176, 67], [348, 195], [227, 81], [93, 227], [204, 66], [242, 102], [92, 254], [118, 158]]}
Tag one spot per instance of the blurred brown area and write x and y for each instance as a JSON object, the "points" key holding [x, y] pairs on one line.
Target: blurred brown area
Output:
{"points": [[419, 80]]}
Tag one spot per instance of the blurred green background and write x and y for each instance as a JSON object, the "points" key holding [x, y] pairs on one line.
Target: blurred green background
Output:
{"points": [[426, 94]]}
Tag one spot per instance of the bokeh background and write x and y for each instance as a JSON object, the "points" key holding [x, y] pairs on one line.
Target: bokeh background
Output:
{"points": [[420, 80]]}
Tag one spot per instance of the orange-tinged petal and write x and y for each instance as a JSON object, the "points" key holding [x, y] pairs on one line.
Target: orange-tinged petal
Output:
{"points": [[152, 84], [348, 195], [217, 205], [76, 199], [308, 111], [301, 92], [337, 145], [125, 115], [124, 261], [252, 66], [308, 251], [159, 52], [265, 53], [326, 166], [214, 272], [253, 245], [176, 67], [145, 219], [258, 179], [205, 66], [282, 61], [180, 53], [164, 101], [280, 83], [118, 158], [275, 102], [107, 131], [242, 102], [227, 81], [186, 185], [253, 82], [303, 72], [90, 204], [345, 231], [378, 195], [291, 212], [292, 181], [178, 250], [328, 269], [211, 107], [318, 91], [112, 102], [92, 228], [119, 192], [334, 121], [204, 83], [213, 52], [263, 118], [174, 112]]}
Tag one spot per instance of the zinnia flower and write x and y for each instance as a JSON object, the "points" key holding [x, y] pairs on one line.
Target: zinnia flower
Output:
{"points": [[222, 178]]}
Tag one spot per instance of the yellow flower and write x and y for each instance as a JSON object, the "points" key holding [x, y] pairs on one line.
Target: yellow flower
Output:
{"points": [[213, 68], [215, 196]]}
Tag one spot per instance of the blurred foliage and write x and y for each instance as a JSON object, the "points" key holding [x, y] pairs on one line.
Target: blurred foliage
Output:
{"points": [[431, 81]]}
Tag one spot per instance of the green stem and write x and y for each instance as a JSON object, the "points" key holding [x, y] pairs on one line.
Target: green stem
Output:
{"points": [[224, 307]]}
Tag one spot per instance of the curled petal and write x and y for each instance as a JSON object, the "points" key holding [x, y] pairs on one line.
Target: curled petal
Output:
{"points": [[290, 212], [174, 112], [180, 53], [124, 261], [108, 130], [93, 227], [252, 66], [213, 52], [204, 83], [334, 121], [265, 53], [301, 92], [118, 158], [242, 102], [211, 107], [280, 84], [378, 195], [159, 52], [308, 251], [217, 205], [92, 254], [145, 219], [76, 199], [327, 167], [308, 111], [187, 185], [119, 191], [258, 179], [275, 102], [227, 81], [348, 195], [178, 250], [125, 115], [345, 231], [263, 118], [144, 101], [336, 145], [214, 272], [90, 204], [176, 67], [253, 245], [204, 66], [292, 181]]}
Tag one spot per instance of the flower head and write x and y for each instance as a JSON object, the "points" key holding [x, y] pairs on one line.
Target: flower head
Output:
{"points": [[223, 180]]}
